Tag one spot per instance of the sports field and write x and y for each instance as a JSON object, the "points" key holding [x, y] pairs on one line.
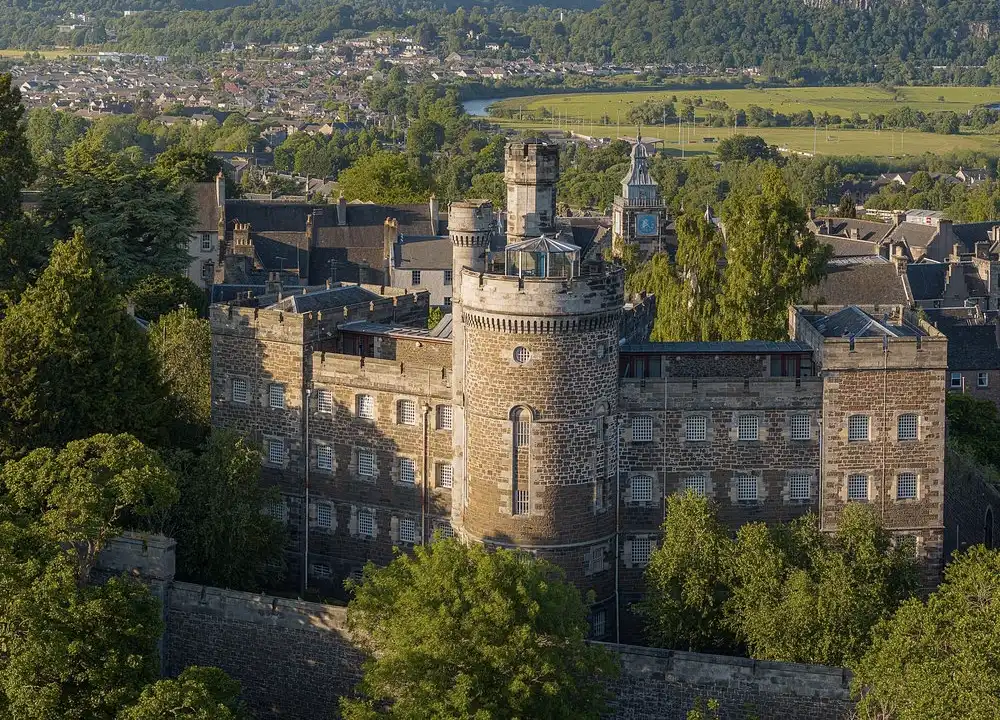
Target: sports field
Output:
{"points": [[844, 101], [47, 54]]}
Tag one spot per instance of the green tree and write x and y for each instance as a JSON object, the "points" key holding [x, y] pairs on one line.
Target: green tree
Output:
{"points": [[223, 535], [137, 222], [746, 148], [938, 659], [179, 165], [687, 579], [771, 257], [490, 186], [156, 295], [198, 693], [72, 362], [384, 177], [457, 631], [181, 342], [17, 167], [23, 251], [800, 597], [974, 427]]}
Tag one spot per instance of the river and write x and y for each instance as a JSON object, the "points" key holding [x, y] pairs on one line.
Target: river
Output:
{"points": [[477, 108]]}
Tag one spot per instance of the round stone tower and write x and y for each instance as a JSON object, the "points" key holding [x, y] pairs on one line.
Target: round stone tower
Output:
{"points": [[531, 171], [540, 393]]}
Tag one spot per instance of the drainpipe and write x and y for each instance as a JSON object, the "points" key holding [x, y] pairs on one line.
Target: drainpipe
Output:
{"points": [[423, 491], [885, 415], [305, 515]]}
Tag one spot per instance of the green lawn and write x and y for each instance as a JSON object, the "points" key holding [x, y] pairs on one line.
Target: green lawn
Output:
{"points": [[590, 107], [832, 142], [47, 54]]}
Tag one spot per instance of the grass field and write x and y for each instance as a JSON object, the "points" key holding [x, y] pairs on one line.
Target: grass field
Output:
{"points": [[590, 107], [47, 54]]}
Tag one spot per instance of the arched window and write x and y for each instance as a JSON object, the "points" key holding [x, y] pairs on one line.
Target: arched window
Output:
{"points": [[522, 427]]}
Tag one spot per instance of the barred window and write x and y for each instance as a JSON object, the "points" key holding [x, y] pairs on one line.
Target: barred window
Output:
{"points": [[447, 278], [366, 523], [695, 483], [799, 486], [324, 457], [906, 427], [746, 487], [857, 487], [906, 486], [276, 510], [444, 417], [749, 427], [241, 393], [324, 401], [600, 624], [276, 396], [320, 570], [642, 548], [642, 428], [414, 277], [324, 515], [276, 452], [446, 530], [366, 462], [365, 407], [407, 531], [642, 488], [857, 428], [522, 432], [521, 354], [407, 471], [445, 475], [696, 428], [800, 427], [521, 502], [406, 412]]}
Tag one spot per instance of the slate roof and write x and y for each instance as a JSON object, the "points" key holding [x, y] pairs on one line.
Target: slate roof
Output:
{"points": [[968, 234], [423, 253], [638, 172], [869, 283], [441, 331], [913, 234], [325, 299], [852, 321], [206, 206], [868, 230], [927, 280], [972, 347]]}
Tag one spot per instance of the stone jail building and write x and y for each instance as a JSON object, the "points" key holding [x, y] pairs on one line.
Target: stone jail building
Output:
{"points": [[538, 416]]}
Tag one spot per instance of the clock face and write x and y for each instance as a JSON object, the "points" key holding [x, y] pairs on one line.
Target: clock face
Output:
{"points": [[646, 224]]}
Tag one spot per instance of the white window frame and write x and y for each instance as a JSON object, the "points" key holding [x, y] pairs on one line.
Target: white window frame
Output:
{"points": [[275, 452], [696, 428], [642, 550], [324, 515], [858, 428], [600, 624], [407, 471], [912, 427], [366, 462], [444, 475], [448, 277], [642, 428], [364, 406], [445, 417], [407, 531], [801, 427], [240, 390], [911, 482], [276, 396], [956, 381], [366, 523], [324, 402], [320, 570], [324, 457], [800, 486], [642, 488], [206, 242], [406, 412], [745, 482], [748, 428], [855, 483], [698, 483], [982, 379]]}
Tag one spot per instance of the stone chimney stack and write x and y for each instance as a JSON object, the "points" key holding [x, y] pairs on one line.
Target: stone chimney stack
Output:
{"points": [[242, 242], [390, 233], [341, 210], [899, 259], [435, 215]]}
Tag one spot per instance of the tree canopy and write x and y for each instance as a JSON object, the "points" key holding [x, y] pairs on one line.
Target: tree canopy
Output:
{"points": [[459, 631], [198, 693], [384, 177]]}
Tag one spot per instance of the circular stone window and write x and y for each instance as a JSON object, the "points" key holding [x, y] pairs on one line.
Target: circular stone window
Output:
{"points": [[521, 355]]}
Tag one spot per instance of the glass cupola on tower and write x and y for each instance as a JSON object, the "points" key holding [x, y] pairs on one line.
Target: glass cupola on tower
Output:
{"points": [[542, 257]]}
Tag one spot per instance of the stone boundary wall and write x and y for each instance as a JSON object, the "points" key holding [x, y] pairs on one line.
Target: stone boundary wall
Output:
{"points": [[294, 659]]}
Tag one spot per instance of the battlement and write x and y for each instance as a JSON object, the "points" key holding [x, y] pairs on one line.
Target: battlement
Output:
{"points": [[385, 374], [531, 163], [524, 304], [470, 216]]}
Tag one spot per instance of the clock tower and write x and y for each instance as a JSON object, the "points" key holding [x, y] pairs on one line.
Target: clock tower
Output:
{"points": [[639, 216]]}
